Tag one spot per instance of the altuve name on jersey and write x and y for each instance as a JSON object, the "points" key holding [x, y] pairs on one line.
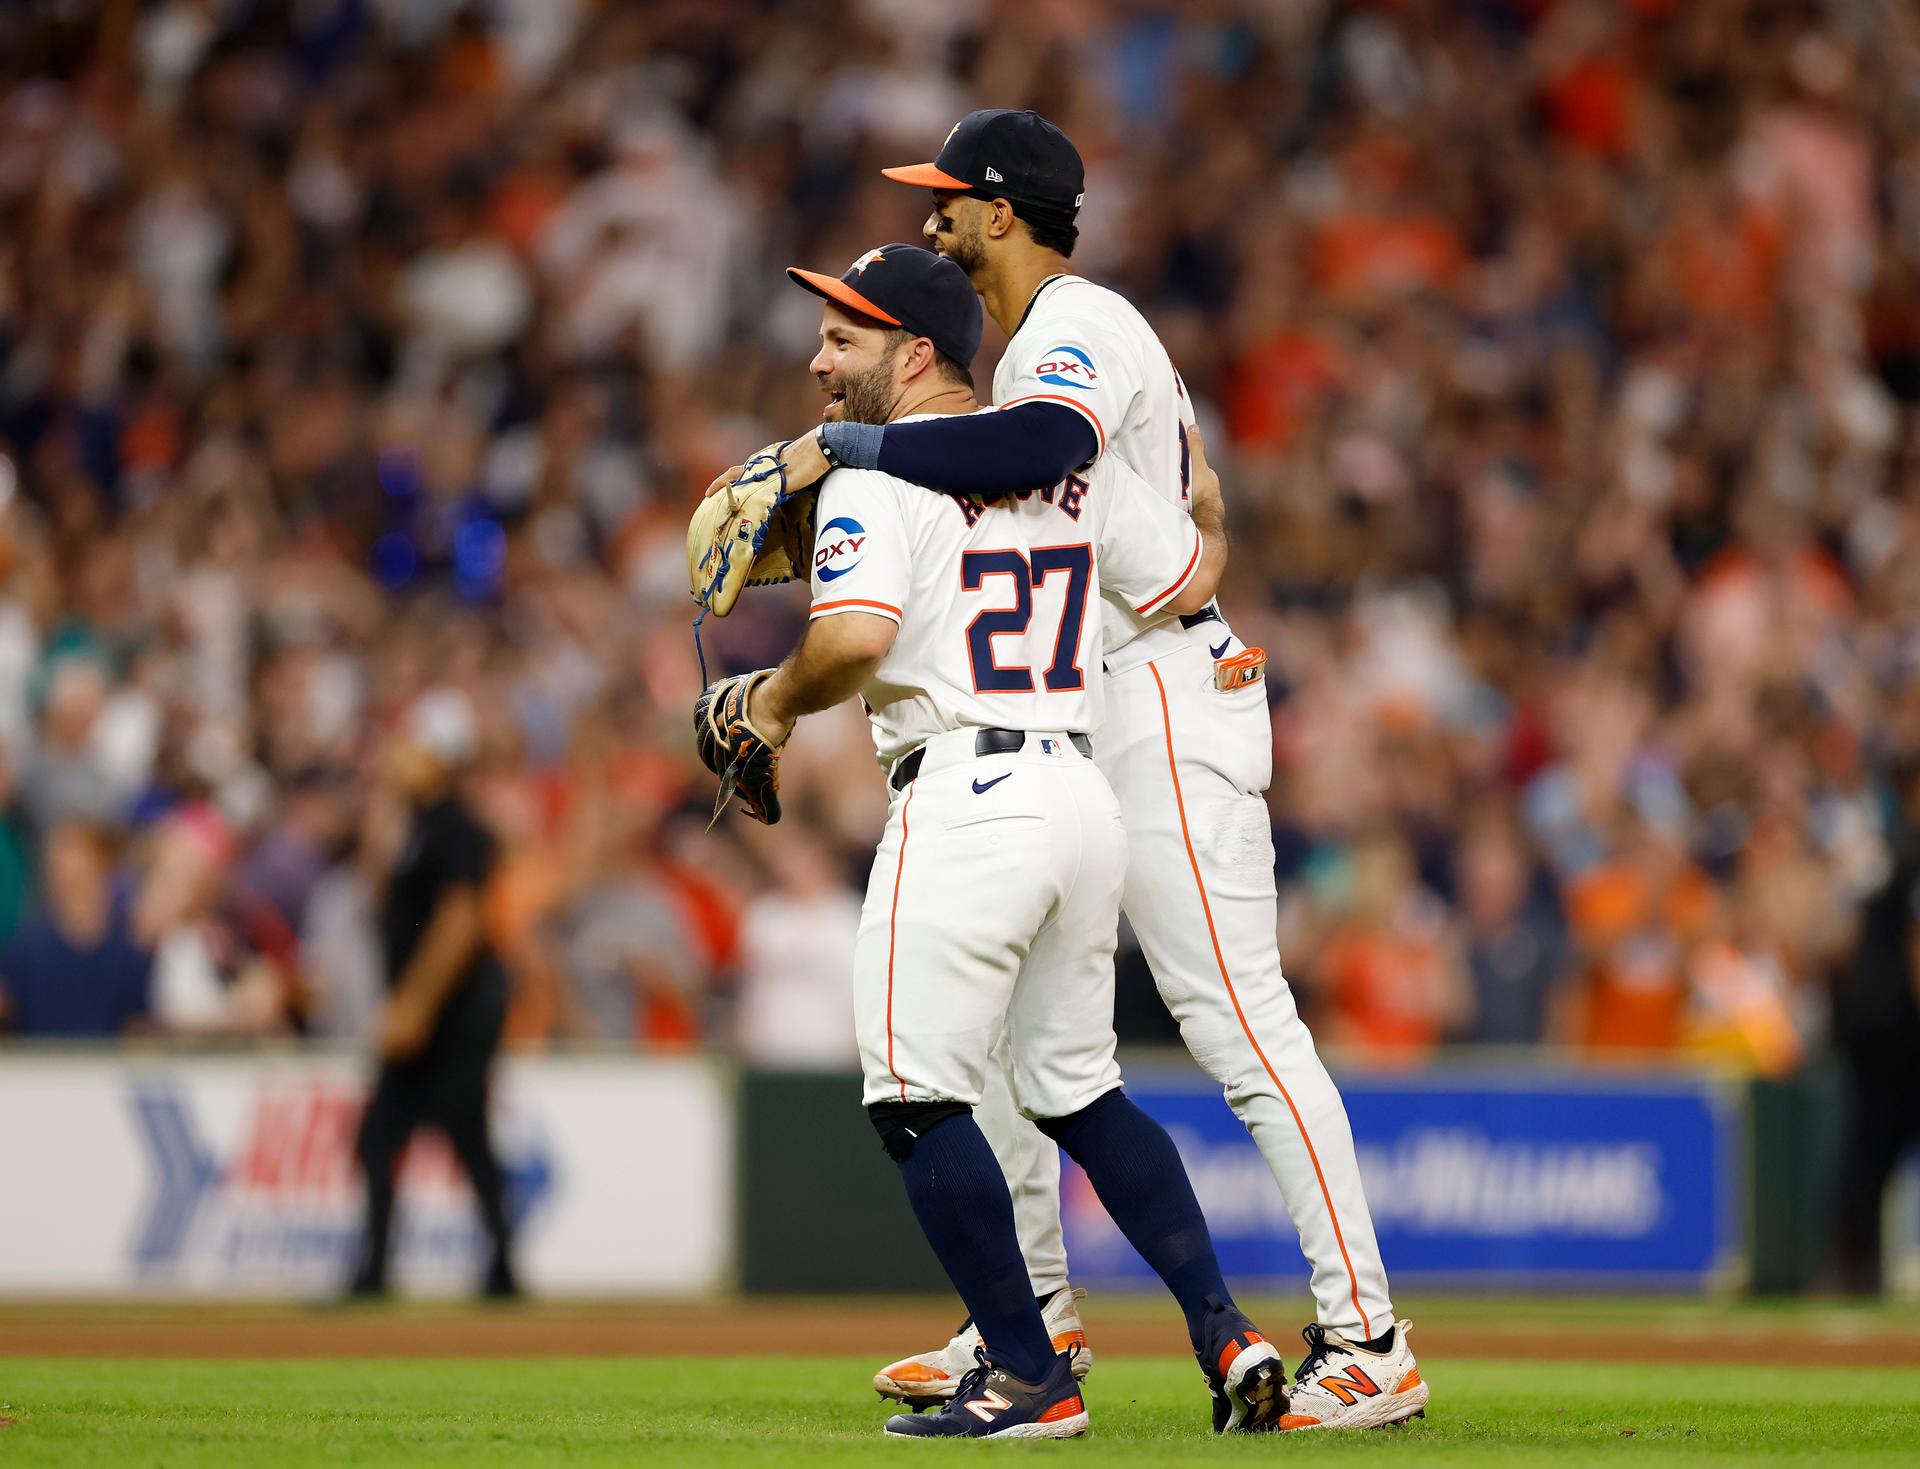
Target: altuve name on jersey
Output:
{"points": [[1065, 496]]}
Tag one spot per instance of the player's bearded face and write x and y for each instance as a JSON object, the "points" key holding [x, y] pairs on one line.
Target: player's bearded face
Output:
{"points": [[856, 367], [954, 229], [867, 393]]}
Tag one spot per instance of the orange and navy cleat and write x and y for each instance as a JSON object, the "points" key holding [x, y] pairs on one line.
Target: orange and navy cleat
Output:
{"points": [[990, 1402], [928, 1380], [1345, 1385], [1243, 1371]]}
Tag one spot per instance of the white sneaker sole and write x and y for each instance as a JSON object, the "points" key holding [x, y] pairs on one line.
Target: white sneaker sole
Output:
{"points": [[913, 1393], [1070, 1427], [1256, 1402], [930, 1394], [1380, 1412]]}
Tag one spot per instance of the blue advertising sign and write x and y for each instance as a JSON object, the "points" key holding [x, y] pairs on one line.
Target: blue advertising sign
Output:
{"points": [[1509, 1177]]}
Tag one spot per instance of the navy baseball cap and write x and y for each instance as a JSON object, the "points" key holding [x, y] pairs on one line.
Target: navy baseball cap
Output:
{"points": [[908, 287], [1005, 155]]}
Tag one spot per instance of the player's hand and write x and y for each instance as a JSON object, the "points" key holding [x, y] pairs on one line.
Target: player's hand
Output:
{"points": [[1203, 484], [728, 476], [721, 480], [763, 716], [403, 1031], [805, 462]]}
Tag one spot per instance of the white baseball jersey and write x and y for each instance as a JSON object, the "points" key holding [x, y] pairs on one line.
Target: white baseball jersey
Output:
{"points": [[992, 602], [1088, 347], [1187, 762]]}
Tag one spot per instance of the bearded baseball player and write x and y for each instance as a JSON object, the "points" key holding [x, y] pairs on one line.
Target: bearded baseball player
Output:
{"points": [[988, 932], [1184, 742]]}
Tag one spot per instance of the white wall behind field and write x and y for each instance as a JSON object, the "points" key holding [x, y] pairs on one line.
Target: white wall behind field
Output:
{"points": [[131, 1174]]}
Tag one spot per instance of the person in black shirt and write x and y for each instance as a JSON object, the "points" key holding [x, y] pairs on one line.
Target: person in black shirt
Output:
{"points": [[447, 994], [1877, 1032]]}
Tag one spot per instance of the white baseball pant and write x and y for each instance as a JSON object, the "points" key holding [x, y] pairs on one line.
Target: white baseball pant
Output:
{"points": [[990, 920], [1188, 764]]}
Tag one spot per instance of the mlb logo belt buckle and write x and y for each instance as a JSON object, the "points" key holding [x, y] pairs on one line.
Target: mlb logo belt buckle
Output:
{"points": [[1240, 670]]}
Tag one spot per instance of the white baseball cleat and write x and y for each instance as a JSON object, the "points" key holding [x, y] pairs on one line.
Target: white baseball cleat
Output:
{"points": [[1344, 1385], [929, 1379]]}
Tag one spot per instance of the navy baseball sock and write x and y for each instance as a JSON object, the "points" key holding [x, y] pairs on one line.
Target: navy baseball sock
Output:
{"points": [[1136, 1170], [960, 1198]]}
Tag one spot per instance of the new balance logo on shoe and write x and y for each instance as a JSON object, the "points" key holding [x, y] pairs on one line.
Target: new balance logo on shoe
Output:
{"points": [[1350, 1385], [985, 1407]]}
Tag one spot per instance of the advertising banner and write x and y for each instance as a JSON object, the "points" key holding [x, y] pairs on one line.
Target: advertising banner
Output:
{"points": [[1518, 1179], [235, 1176]]}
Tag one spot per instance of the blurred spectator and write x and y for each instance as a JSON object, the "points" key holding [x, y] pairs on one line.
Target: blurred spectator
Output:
{"points": [[1515, 937], [1636, 918], [291, 856], [624, 942], [795, 999], [213, 973], [65, 777], [75, 970], [1391, 968], [340, 954], [16, 852]]}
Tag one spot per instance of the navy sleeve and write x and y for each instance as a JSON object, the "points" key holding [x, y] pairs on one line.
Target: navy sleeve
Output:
{"points": [[1024, 448]]}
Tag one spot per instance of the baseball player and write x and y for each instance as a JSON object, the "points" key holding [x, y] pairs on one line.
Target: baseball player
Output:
{"points": [[991, 908], [1185, 743]]}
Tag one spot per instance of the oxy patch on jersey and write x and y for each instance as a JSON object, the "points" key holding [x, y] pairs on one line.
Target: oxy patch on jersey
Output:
{"points": [[1067, 367], [837, 549]]}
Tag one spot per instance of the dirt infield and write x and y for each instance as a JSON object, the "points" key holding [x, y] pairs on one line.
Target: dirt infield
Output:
{"points": [[872, 1328]]}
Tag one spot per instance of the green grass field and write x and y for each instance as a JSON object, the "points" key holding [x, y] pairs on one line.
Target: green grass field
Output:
{"points": [[756, 1410]]}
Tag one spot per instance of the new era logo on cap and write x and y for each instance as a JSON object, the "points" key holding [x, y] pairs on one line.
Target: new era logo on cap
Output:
{"points": [[1034, 163]]}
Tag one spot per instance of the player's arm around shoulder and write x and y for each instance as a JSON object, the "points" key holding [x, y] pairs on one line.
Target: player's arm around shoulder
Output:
{"points": [[1080, 362], [1154, 557], [1209, 513]]}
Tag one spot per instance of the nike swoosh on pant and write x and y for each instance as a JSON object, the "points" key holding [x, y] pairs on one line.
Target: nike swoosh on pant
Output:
{"points": [[982, 789], [1219, 650]]}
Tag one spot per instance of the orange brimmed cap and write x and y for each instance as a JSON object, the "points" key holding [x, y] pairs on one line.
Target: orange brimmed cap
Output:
{"points": [[1005, 155], [908, 287]]}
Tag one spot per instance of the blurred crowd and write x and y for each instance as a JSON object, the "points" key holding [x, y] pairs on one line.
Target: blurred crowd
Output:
{"points": [[1561, 359]]}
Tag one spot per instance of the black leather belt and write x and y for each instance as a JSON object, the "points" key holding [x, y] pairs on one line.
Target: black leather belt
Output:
{"points": [[1208, 613], [986, 742]]}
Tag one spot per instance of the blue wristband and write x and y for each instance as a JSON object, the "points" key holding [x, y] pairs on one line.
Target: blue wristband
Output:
{"points": [[852, 445]]}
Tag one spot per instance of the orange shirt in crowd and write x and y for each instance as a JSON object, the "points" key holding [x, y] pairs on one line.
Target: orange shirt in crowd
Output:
{"points": [[1634, 990], [1730, 266], [525, 889], [1388, 989], [1588, 105], [1275, 385], [1357, 256]]}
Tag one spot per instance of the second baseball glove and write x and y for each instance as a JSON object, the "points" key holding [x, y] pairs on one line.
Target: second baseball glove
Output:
{"points": [[747, 762]]}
